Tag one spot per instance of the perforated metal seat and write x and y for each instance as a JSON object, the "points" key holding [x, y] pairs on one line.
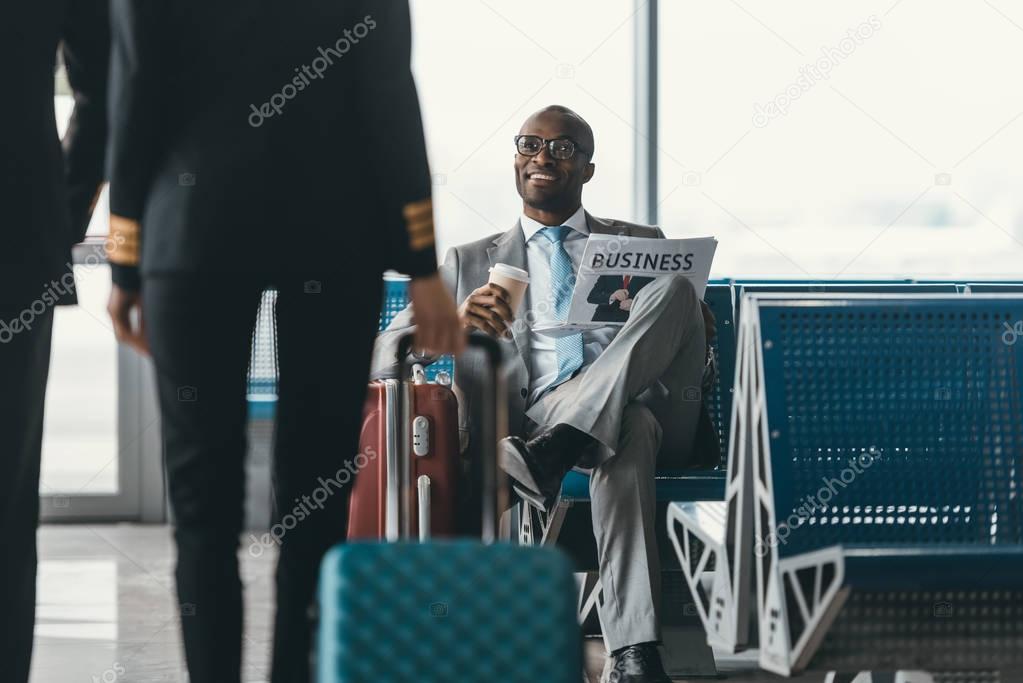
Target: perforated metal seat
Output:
{"points": [[889, 449], [262, 380]]}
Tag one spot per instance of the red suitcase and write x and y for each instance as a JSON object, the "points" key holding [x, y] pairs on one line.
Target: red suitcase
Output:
{"points": [[432, 434]]}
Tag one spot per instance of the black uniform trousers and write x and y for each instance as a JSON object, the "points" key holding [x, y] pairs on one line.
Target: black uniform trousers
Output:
{"points": [[200, 333], [24, 365]]}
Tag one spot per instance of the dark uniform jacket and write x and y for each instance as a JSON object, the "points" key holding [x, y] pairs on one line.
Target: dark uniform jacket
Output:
{"points": [[46, 192], [256, 136]]}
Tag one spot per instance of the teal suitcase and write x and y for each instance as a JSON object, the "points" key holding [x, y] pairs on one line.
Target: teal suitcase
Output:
{"points": [[451, 612], [457, 611]]}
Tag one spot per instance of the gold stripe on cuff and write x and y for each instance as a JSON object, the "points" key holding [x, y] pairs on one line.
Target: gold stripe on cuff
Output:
{"points": [[122, 245], [419, 223], [420, 243], [418, 209], [425, 228], [420, 230]]}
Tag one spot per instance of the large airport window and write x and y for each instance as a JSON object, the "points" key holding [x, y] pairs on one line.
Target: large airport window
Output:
{"points": [[875, 139]]}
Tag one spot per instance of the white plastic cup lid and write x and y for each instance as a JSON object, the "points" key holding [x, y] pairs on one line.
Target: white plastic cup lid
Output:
{"points": [[510, 271]]}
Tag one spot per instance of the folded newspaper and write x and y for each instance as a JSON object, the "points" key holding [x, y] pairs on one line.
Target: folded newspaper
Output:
{"points": [[613, 270]]}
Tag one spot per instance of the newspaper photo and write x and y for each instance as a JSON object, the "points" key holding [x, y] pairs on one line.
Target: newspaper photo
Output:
{"points": [[614, 268]]}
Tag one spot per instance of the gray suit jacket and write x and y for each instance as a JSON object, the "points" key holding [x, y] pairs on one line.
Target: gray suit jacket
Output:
{"points": [[465, 269]]}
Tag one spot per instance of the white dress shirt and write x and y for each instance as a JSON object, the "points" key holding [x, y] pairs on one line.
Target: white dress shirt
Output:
{"points": [[540, 300]]}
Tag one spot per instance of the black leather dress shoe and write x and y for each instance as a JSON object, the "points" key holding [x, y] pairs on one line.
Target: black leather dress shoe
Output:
{"points": [[537, 466], [637, 664]]}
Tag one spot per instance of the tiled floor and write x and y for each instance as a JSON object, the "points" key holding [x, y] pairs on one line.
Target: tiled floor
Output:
{"points": [[106, 610]]}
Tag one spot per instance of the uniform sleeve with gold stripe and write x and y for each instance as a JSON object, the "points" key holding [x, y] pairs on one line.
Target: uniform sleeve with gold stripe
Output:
{"points": [[393, 137]]}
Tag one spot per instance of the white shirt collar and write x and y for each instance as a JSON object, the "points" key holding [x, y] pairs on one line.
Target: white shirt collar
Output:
{"points": [[577, 222]]}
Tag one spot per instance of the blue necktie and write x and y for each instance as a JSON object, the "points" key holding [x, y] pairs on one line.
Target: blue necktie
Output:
{"points": [[569, 348]]}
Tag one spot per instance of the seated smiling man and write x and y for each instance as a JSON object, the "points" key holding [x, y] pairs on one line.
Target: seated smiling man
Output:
{"points": [[607, 400]]}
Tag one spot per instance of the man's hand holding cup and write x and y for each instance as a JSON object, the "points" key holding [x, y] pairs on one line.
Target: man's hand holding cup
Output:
{"points": [[487, 309], [492, 307]]}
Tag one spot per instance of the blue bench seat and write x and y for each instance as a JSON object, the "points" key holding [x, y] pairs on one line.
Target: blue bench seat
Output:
{"points": [[916, 569], [672, 485]]}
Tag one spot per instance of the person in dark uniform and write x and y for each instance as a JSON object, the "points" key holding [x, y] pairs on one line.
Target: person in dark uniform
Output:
{"points": [[613, 295], [46, 199], [263, 145]]}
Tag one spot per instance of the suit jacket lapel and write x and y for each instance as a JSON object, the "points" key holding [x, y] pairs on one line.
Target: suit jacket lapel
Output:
{"points": [[510, 248], [603, 226]]}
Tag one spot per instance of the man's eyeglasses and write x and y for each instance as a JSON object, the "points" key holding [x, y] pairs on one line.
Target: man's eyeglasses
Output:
{"points": [[558, 148]]}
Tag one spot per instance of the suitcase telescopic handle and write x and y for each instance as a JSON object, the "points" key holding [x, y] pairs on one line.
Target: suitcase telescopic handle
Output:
{"points": [[493, 423]]}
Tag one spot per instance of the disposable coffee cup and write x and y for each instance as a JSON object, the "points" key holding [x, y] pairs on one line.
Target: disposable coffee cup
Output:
{"points": [[513, 280]]}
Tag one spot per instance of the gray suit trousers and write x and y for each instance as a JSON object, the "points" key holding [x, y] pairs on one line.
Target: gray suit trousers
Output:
{"points": [[640, 395]]}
